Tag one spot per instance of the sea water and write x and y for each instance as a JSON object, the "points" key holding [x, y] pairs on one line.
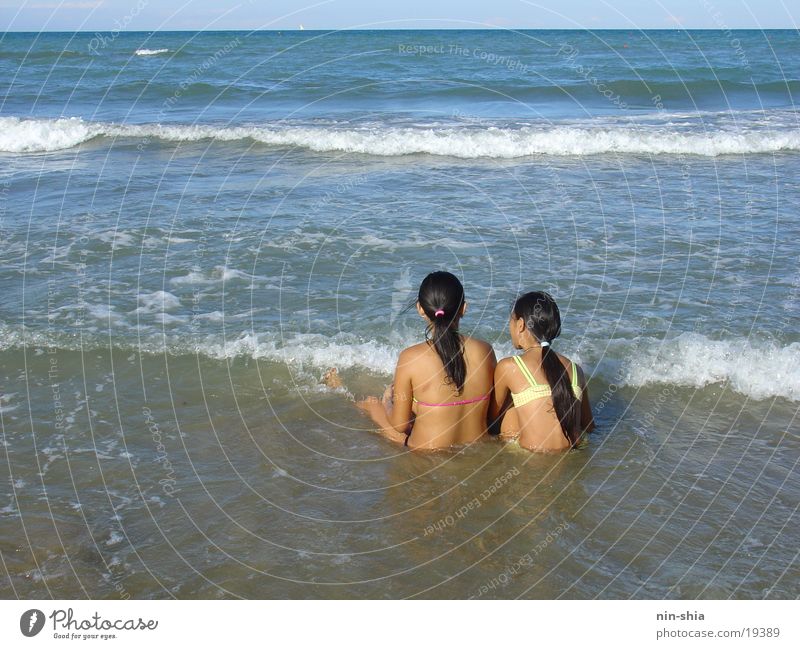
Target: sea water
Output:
{"points": [[195, 226]]}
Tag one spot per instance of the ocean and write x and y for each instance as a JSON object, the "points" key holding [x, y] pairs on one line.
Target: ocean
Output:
{"points": [[196, 225]]}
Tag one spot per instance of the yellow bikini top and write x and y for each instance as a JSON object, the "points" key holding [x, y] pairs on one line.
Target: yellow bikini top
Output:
{"points": [[539, 390]]}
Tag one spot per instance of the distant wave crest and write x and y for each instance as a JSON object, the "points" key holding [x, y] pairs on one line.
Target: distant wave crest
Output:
{"points": [[145, 52], [40, 135]]}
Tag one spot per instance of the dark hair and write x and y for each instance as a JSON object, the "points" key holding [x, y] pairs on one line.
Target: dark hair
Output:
{"points": [[543, 320], [441, 297]]}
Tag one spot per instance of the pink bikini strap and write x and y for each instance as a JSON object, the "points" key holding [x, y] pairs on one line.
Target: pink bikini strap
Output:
{"points": [[455, 403]]}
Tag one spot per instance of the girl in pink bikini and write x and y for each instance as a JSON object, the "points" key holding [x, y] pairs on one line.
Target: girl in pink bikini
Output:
{"points": [[442, 386]]}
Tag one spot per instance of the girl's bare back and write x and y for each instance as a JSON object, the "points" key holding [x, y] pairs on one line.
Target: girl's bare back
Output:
{"points": [[444, 417]]}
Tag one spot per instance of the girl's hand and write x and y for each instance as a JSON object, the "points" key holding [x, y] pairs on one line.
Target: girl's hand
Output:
{"points": [[371, 405], [377, 411]]}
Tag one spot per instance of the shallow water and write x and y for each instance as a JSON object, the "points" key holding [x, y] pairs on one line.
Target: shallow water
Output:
{"points": [[177, 279]]}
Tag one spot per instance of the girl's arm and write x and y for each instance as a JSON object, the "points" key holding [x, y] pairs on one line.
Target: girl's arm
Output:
{"points": [[393, 416], [500, 401], [587, 419]]}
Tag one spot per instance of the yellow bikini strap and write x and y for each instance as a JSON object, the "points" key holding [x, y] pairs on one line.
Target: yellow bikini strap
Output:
{"points": [[525, 371]]}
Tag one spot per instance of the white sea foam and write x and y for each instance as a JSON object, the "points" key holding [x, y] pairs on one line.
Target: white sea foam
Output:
{"points": [[212, 316], [758, 370], [217, 274], [308, 349], [145, 52], [755, 369], [168, 318], [6, 398], [114, 538], [103, 312], [38, 135], [227, 274], [117, 238], [193, 277], [157, 302]]}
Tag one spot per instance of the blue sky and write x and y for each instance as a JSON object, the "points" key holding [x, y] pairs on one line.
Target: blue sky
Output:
{"points": [[92, 15]]}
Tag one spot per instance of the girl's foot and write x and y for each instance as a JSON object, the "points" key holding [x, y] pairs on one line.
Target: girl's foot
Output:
{"points": [[332, 379]]}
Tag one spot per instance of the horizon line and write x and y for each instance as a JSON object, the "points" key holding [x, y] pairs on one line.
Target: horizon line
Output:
{"points": [[406, 29]]}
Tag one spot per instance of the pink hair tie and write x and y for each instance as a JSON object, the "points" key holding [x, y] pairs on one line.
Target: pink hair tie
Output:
{"points": [[438, 313]]}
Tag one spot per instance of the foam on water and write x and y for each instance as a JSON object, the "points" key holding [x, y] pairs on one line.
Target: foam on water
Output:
{"points": [[117, 238], [157, 302], [309, 349], [41, 135], [193, 277], [219, 274], [758, 370], [37, 135], [145, 52], [102, 312], [114, 538]]}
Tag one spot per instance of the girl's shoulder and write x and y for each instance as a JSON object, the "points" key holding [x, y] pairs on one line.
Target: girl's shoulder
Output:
{"points": [[565, 359], [415, 350], [568, 361], [413, 358], [572, 366], [471, 346], [506, 361], [477, 344], [504, 364]]}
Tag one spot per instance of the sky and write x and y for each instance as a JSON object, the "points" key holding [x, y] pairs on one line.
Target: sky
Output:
{"points": [[148, 15]]}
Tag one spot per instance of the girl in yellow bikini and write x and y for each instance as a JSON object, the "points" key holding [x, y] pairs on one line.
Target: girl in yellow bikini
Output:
{"points": [[442, 386], [540, 395]]}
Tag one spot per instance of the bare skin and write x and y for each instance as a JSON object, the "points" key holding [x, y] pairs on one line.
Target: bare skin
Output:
{"points": [[332, 379], [421, 374], [534, 424]]}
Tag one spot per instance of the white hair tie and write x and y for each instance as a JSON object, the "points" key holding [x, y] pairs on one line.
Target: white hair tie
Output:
{"points": [[544, 344]]}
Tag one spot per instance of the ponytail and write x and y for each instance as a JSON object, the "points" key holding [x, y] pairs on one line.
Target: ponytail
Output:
{"points": [[441, 297], [565, 403], [443, 334], [543, 320]]}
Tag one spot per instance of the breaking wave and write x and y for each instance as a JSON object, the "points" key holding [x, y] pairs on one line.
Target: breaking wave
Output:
{"points": [[43, 135]]}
